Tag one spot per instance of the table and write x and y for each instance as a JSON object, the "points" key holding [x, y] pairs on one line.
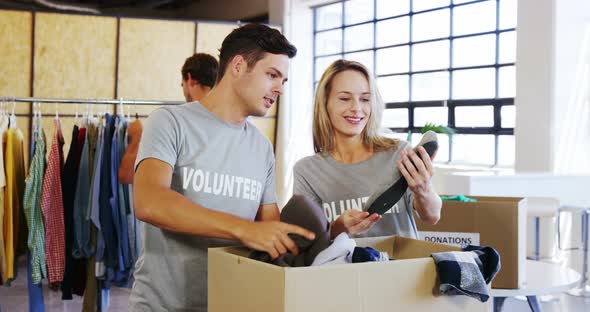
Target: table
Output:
{"points": [[542, 278]]}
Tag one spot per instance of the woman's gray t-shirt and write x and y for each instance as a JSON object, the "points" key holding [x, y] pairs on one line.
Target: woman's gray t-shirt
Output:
{"points": [[338, 187]]}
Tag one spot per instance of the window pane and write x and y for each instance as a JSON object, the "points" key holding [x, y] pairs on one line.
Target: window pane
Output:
{"points": [[474, 18], [431, 25], [461, 1], [358, 37], [394, 88], [508, 115], [474, 116], [358, 11], [508, 13], [474, 83], [328, 42], [506, 82], [393, 31], [395, 118], [506, 151], [473, 51], [387, 8], [442, 154], [432, 55], [321, 63], [429, 4], [473, 149], [329, 16], [365, 58], [507, 47], [433, 115], [431, 86], [393, 60]]}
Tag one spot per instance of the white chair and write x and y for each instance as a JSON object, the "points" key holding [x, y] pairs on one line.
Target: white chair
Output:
{"points": [[583, 290], [542, 213]]}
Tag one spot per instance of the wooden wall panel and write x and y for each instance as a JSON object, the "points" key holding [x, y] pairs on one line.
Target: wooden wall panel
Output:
{"points": [[210, 36], [75, 57], [15, 55], [151, 54], [266, 125]]}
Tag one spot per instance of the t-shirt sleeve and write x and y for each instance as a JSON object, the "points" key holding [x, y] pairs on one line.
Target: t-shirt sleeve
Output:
{"points": [[269, 195], [301, 185], [160, 138]]}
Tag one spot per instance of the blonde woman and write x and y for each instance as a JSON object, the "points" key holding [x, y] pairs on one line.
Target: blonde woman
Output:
{"points": [[353, 160]]}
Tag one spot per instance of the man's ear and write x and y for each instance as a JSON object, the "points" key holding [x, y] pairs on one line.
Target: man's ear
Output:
{"points": [[191, 81], [238, 65]]}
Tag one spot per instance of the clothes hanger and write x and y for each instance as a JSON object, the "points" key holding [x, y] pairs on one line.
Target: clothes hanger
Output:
{"points": [[13, 116]]}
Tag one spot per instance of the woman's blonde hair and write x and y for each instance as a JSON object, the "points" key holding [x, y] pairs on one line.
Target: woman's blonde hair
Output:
{"points": [[323, 132]]}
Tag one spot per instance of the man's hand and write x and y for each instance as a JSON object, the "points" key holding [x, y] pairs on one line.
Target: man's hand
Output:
{"points": [[354, 222], [272, 237]]}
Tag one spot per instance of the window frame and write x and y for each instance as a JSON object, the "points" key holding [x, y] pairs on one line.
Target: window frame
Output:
{"points": [[497, 103]]}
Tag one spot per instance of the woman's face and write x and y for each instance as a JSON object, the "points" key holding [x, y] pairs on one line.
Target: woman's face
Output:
{"points": [[349, 103]]}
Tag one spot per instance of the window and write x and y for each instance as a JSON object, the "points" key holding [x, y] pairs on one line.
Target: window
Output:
{"points": [[448, 62]]}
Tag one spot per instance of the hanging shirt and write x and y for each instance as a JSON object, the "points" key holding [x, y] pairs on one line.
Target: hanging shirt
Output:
{"points": [[33, 213], [15, 233], [122, 194], [95, 204], [126, 171], [68, 183], [53, 210], [81, 247], [3, 268], [89, 303]]}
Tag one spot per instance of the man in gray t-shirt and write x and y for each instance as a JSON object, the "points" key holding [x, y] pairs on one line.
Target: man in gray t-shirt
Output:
{"points": [[205, 176], [338, 187]]}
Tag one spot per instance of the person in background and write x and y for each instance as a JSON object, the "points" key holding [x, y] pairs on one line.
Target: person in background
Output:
{"points": [[353, 159], [198, 76], [199, 73]]}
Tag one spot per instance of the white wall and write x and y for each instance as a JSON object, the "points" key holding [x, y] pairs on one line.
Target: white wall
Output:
{"points": [[553, 81], [571, 98], [534, 92]]}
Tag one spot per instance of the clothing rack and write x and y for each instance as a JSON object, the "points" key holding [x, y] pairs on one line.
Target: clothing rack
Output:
{"points": [[11, 99], [87, 101]]}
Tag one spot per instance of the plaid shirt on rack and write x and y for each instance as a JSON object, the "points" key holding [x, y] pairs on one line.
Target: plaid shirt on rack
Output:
{"points": [[53, 209]]}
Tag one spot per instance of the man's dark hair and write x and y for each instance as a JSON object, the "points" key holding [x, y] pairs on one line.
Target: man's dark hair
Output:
{"points": [[252, 41], [202, 67]]}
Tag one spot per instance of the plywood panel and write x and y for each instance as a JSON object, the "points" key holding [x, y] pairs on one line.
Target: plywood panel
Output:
{"points": [[211, 35], [266, 125], [151, 54], [15, 55], [74, 57]]}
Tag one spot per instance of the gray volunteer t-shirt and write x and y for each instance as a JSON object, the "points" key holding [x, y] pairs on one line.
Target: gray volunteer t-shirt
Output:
{"points": [[338, 187], [221, 166]]}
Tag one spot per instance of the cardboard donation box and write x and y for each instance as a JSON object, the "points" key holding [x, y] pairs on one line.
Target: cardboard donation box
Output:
{"points": [[498, 222], [410, 283]]}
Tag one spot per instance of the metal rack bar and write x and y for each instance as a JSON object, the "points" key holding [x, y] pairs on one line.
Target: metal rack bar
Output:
{"points": [[87, 101]]}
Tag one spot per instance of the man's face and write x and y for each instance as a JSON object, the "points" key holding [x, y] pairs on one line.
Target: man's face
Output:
{"points": [[185, 90], [260, 86]]}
